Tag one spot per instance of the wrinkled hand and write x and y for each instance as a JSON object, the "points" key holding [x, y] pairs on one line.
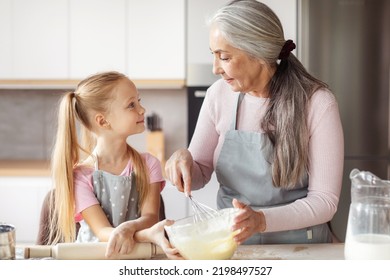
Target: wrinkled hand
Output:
{"points": [[157, 233], [178, 170], [247, 221], [121, 240]]}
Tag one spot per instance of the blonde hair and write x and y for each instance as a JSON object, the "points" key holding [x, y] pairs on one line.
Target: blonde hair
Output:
{"points": [[254, 28], [93, 94]]}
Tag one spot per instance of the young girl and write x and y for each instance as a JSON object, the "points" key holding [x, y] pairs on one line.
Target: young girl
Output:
{"points": [[114, 191]]}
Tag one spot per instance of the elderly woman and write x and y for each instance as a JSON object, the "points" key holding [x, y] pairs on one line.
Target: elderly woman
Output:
{"points": [[270, 131]]}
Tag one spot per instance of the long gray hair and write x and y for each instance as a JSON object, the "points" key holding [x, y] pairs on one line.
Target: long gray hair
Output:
{"points": [[254, 28]]}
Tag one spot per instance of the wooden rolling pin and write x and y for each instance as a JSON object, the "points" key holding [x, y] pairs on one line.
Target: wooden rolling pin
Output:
{"points": [[88, 251]]}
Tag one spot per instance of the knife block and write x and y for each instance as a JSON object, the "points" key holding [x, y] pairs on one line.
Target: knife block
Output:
{"points": [[155, 145]]}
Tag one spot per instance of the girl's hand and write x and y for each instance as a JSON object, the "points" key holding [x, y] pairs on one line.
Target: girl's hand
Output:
{"points": [[157, 234], [178, 170], [121, 240], [247, 221]]}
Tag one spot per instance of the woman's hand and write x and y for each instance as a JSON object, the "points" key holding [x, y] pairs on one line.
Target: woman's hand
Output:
{"points": [[178, 170], [121, 240], [157, 235], [247, 221]]}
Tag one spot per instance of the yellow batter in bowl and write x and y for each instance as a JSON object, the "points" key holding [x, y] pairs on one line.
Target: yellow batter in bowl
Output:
{"points": [[210, 239]]}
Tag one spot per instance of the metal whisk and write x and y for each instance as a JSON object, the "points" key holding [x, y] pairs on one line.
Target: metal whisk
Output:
{"points": [[201, 212]]}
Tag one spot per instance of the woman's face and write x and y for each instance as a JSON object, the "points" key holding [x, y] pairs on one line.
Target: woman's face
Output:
{"points": [[242, 72]]}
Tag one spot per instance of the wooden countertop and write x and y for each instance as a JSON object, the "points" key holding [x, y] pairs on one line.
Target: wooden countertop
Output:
{"points": [[24, 168]]}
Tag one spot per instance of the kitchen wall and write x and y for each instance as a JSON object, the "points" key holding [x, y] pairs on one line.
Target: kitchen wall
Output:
{"points": [[28, 121]]}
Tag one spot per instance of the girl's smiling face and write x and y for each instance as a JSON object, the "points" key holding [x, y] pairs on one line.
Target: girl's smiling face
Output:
{"points": [[242, 72], [126, 116]]}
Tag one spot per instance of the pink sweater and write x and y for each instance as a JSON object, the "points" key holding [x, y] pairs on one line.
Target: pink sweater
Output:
{"points": [[326, 152]]}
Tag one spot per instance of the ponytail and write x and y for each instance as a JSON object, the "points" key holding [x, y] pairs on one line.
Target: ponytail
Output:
{"points": [[64, 158], [290, 88], [141, 176]]}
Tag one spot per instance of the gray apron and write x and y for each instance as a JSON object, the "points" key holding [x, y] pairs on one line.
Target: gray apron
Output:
{"points": [[118, 197], [244, 172]]}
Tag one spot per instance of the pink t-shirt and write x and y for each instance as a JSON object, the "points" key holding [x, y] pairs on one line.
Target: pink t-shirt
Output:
{"points": [[84, 194], [326, 151]]}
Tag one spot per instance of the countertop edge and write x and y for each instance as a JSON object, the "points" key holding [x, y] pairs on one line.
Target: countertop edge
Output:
{"points": [[12, 168]]}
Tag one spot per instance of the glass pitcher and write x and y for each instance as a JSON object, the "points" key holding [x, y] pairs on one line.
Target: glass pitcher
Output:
{"points": [[368, 230]]}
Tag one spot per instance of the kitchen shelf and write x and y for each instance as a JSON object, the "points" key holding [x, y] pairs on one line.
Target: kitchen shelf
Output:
{"points": [[71, 84], [24, 168]]}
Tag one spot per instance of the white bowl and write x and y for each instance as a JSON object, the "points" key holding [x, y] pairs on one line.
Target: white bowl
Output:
{"points": [[207, 239]]}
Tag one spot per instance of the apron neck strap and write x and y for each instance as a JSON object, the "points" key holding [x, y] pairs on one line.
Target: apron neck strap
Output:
{"points": [[240, 97]]}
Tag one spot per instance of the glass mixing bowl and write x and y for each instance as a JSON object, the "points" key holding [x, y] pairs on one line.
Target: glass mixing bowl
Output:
{"points": [[205, 239]]}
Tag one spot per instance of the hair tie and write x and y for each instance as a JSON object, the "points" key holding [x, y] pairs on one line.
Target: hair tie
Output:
{"points": [[287, 48]]}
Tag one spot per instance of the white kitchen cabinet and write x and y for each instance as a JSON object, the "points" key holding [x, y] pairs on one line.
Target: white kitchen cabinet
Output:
{"points": [[21, 200], [206, 195], [156, 39], [198, 12], [144, 39], [34, 39], [199, 58], [178, 206], [97, 37], [175, 203], [6, 67], [286, 10], [67, 40]]}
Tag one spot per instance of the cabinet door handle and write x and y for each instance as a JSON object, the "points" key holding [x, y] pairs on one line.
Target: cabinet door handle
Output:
{"points": [[200, 93]]}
